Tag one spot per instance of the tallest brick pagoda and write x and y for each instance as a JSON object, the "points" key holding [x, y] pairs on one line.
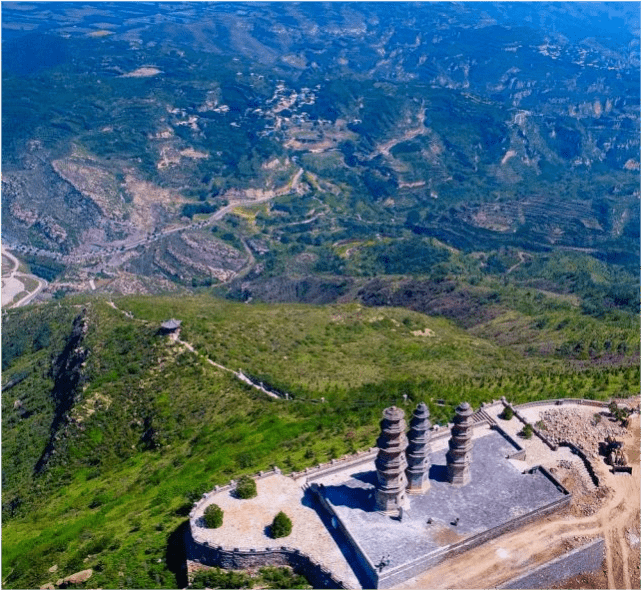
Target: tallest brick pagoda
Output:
{"points": [[391, 462]]}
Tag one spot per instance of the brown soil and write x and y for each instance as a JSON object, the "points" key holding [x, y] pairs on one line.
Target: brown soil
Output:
{"points": [[447, 537], [596, 580], [515, 554]]}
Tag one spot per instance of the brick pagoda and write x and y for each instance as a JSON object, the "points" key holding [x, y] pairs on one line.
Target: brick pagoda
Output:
{"points": [[460, 453], [391, 461], [418, 451]]}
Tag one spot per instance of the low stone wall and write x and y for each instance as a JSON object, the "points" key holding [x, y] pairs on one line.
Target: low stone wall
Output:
{"points": [[237, 558], [368, 568], [520, 451], [566, 400], [335, 465], [537, 432]]}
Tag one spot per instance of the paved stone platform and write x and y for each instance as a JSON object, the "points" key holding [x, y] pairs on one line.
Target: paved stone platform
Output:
{"points": [[498, 493]]}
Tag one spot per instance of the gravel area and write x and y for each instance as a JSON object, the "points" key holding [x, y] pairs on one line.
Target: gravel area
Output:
{"points": [[536, 451], [577, 425], [245, 524]]}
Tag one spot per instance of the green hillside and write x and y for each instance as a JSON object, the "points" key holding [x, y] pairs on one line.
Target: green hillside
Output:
{"points": [[111, 431]]}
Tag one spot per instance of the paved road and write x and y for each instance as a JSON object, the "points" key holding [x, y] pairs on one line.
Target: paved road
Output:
{"points": [[120, 248], [9, 292]]}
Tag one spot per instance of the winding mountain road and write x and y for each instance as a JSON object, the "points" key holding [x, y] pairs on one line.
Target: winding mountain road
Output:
{"points": [[13, 286]]}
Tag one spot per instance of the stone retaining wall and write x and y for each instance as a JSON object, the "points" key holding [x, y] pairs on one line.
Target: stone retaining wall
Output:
{"points": [[237, 558], [577, 451], [366, 564], [566, 400], [520, 451], [587, 558]]}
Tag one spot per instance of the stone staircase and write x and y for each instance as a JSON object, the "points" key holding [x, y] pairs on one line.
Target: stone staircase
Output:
{"points": [[481, 415], [585, 475]]}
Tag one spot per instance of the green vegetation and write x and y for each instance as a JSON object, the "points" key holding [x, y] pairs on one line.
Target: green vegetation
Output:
{"points": [[507, 413], [218, 578], [246, 488], [527, 431], [619, 414], [267, 577], [142, 427], [213, 516], [282, 577], [281, 526]]}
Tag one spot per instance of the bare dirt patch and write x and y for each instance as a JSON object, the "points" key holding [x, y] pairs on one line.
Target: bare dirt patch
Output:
{"points": [[149, 201], [194, 154], [144, 72], [93, 182], [447, 536], [426, 332], [592, 580]]}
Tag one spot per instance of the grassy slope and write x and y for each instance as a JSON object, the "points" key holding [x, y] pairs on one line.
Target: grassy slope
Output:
{"points": [[155, 425]]}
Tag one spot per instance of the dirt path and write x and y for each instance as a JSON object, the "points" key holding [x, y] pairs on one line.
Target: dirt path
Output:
{"points": [[522, 258], [238, 374], [515, 554], [384, 148]]}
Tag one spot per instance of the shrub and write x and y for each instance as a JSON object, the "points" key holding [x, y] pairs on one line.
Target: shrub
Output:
{"points": [[281, 526], [213, 516], [282, 577], [527, 431], [217, 578], [508, 413], [246, 488]]}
